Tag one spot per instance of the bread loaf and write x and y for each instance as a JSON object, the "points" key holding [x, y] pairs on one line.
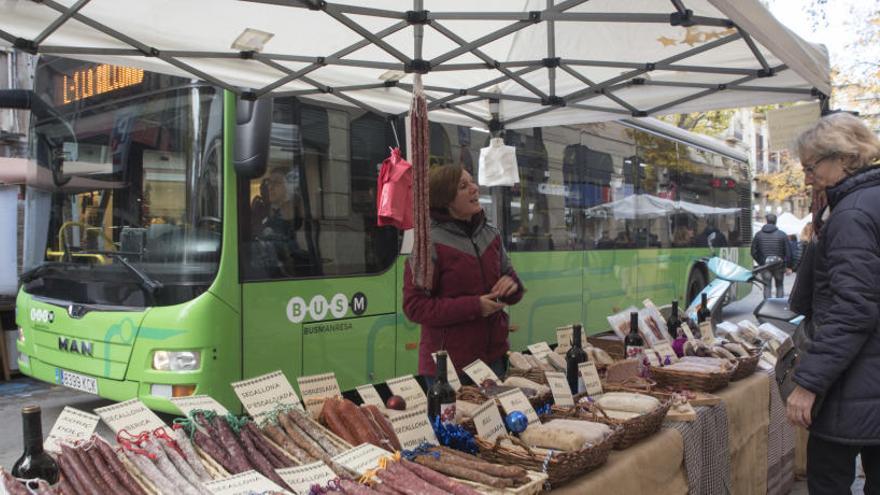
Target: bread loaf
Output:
{"points": [[594, 432], [518, 361], [556, 438], [627, 402], [556, 361]]}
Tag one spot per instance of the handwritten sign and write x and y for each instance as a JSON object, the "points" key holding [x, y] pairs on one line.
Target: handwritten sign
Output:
{"points": [[72, 425], [707, 333], [413, 429], [559, 386], [132, 416], [590, 375], [198, 402], [653, 358], [362, 458], [408, 388], [370, 396], [451, 374], [301, 478], [540, 350], [261, 395], [516, 400], [488, 421], [665, 350], [316, 389], [245, 483], [479, 372], [563, 338]]}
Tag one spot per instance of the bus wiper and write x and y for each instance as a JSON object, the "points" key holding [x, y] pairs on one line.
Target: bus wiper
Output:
{"points": [[150, 284]]}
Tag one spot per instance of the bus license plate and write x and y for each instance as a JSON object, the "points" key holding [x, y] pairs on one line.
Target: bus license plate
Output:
{"points": [[77, 381]]}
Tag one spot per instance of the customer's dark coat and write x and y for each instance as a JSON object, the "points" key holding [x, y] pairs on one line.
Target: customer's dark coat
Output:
{"points": [[843, 362], [770, 241]]}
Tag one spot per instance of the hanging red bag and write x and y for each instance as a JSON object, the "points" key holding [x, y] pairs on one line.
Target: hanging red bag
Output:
{"points": [[394, 198]]}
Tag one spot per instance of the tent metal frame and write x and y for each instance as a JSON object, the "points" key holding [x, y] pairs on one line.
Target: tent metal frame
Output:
{"points": [[449, 98]]}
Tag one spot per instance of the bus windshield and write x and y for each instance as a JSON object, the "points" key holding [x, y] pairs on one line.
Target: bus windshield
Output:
{"points": [[125, 187]]}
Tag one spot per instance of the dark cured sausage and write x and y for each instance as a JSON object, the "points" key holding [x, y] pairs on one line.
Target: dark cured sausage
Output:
{"points": [[439, 480], [332, 415], [300, 438], [230, 442], [379, 419], [106, 474], [313, 431], [351, 488], [407, 482], [112, 460], [258, 460], [360, 425], [71, 475], [463, 472], [213, 450]]}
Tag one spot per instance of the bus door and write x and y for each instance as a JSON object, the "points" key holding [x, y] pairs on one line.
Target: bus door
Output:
{"points": [[319, 287]]}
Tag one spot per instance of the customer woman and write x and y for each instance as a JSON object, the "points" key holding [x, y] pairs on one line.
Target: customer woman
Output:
{"points": [[840, 366], [473, 279]]}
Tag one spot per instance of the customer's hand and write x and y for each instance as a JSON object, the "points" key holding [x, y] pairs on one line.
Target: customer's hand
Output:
{"points": [[488, 305], [505, 286], [800, 406]]}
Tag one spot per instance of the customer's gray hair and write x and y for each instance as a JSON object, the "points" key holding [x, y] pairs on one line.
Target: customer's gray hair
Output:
{"points": [[843, 135]]}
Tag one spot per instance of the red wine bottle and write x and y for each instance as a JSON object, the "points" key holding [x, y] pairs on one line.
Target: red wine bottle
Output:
{"points": [[441, 395], [34, 462], [633, 344], [574, 357], [703, 314]]}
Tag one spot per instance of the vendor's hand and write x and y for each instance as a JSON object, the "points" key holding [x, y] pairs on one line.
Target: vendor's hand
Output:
{"points": [[800, 406], [488, 305], [505, 286]]}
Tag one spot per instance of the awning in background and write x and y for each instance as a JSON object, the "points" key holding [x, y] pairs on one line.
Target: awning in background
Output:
{"points": [[13, 170], [646, 206], [547, 62]]}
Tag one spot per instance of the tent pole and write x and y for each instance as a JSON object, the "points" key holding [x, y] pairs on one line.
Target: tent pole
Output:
{"points": [[57, 23], [551, 51]]}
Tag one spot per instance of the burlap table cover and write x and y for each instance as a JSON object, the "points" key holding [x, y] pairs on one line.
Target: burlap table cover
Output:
{"points": [[748, 416], [654, 465]]}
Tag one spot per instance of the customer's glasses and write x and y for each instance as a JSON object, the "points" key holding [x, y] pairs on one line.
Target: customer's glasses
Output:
{"points": [[810, 168]]}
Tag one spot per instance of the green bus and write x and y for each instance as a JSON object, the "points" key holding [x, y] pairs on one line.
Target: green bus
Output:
{"points": [[171, 259]]}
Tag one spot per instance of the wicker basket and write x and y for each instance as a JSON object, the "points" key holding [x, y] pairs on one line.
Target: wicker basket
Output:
{"points": [[559, 466], [746, 366], [636, 385], [631, 430], [536, 375], [608, 342], [690, 380]]}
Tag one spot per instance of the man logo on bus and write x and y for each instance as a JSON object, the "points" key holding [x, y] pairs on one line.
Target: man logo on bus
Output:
{"points": [[318, 307]]}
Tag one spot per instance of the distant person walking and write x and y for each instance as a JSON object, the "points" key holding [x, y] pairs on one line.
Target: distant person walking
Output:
{"points": [[770, 245]]}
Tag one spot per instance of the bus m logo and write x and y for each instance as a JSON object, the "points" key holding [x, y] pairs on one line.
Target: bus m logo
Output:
{"points": [[318, 307]]}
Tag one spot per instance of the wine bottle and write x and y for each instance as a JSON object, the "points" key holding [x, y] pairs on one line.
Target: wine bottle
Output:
{"points": [[574, 357], [674, 322], [633, 344], [703, 314], [34, 462], [441, 395]]}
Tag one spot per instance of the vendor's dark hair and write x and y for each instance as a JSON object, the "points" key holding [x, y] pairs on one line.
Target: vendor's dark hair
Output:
{"points": [[443, 185]]}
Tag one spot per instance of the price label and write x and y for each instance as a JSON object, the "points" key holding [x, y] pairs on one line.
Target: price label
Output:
{"points": [[516, 400], [301, 478], [707, 333], [370, 396], [479, 372], [413, 429], [408, 388], [653, 359], [564, 336], [245, 483], [488, 421], [71, 426], [590, 375], [770, 358], [362, 458], [198, 402], [263, 394], [451, 374], [316, 389], [559, 386], [540, 350], [665, 350], [687, 331], [131, 416]]}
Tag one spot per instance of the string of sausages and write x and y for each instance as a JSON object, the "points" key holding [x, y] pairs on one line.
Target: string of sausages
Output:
{"points": [[420, 259]]}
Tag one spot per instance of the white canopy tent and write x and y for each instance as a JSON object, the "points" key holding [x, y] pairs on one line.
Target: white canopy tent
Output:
{"points": [[646, 206], [545, 62]]}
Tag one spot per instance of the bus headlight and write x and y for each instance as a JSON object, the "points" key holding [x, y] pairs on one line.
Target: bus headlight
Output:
{"points": [[176, 360], [21, 335]]}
